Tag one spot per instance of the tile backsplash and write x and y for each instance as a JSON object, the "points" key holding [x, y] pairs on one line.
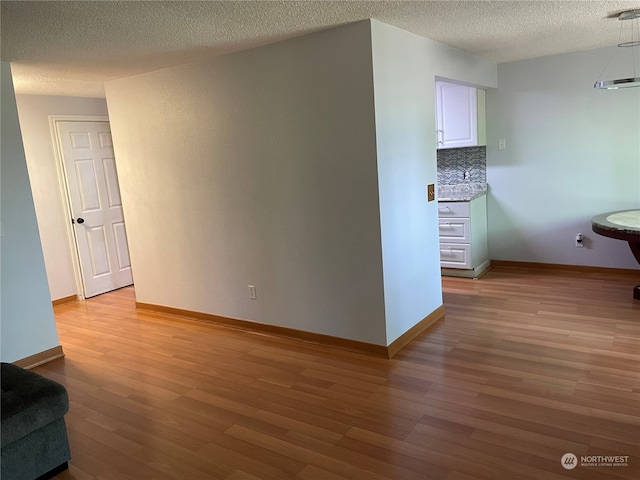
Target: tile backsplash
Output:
{"points": [[454, 162]]}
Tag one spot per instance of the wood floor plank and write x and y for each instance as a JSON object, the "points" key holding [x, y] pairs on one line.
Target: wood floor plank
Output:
{"points": [[527, 365]]}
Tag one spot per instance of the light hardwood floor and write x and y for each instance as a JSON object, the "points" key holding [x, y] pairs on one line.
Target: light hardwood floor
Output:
{"points": [[526, 366]]}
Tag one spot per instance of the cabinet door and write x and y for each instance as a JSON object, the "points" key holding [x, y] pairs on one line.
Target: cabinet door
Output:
{"points": [[457, 115]]}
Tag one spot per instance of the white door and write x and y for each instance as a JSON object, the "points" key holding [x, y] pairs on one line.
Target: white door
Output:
{"points": [[94, 194]]}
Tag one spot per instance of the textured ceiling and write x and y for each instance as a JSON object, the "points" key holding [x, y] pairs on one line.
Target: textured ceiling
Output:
{"points": [[71, 48]]}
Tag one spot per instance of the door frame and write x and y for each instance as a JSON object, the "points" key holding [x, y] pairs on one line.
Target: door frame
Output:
{"points": [[63, 187]]}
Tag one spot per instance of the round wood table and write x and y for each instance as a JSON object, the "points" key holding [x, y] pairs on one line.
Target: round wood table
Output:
{"points": [[623, 225]]}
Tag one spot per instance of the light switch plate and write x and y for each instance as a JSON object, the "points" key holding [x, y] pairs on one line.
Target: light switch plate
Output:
{"points": [[431, 192]]}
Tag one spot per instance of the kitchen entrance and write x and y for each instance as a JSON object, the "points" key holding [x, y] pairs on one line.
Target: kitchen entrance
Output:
{"points": [[462, 183]]}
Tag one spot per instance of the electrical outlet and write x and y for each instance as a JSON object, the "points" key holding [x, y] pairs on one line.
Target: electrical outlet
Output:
{"points": [[579, 241], [431, 192], [502, 144], [252, 292]]}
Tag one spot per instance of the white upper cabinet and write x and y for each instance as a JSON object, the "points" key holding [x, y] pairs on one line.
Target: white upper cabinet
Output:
{"points": [[460, 113]]}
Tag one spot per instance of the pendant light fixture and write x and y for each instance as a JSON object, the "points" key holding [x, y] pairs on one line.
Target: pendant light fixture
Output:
{"points": [[628, 18]]}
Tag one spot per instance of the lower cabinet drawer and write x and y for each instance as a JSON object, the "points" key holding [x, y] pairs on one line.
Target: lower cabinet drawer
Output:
{"points": [[454, 230], [453, 209], [454, 255]]}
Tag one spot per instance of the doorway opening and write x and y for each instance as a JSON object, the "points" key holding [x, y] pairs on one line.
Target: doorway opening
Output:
{"points": [[89, 180]]}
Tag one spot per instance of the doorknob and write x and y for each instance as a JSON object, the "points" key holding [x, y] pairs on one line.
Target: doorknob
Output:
{"points": [[80, 220]]}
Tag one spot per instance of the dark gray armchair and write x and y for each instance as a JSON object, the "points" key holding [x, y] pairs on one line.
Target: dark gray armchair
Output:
{"points": [[33, 435]]}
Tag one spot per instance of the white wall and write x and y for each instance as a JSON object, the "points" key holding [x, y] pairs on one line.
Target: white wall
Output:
{"points": [[34, 111], [27, 323], [405, 66], [257, 168], [572, 152]]}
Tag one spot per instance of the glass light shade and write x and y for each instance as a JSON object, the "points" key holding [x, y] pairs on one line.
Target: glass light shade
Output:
{"points": [[619, 83], [632, 43]]}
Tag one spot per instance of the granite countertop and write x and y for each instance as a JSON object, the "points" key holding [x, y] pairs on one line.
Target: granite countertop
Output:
{"points": [[463, 192]]}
